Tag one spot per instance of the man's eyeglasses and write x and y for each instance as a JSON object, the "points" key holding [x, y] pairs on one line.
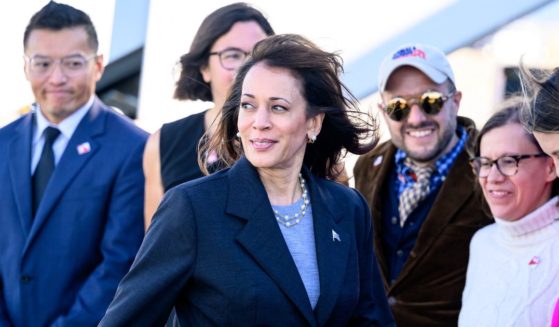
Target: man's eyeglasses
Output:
{"points": [[231, 58], [507, 165], [430, 102], [72, 65]]}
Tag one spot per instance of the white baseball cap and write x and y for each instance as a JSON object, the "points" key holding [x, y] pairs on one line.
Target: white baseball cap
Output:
{"points": [[428, 59]]}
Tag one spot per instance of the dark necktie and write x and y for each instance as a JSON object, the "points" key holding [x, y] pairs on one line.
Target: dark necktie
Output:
{"points": [[411, 196], [45, 167]]}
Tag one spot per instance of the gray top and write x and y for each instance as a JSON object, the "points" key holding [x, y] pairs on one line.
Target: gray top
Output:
{"points": [[300, 241]]}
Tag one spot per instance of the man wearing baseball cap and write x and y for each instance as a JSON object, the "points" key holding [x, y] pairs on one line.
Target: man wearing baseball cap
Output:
{"points": [[420, 188]]}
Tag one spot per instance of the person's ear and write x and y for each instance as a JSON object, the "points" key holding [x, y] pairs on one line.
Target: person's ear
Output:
{"points": [[550, 169], [456, 99], [99, 66], [205, 72], [25, 69], [314, 125]]}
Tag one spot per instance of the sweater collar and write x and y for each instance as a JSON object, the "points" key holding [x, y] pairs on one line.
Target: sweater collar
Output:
{"points": [[543, 216]]}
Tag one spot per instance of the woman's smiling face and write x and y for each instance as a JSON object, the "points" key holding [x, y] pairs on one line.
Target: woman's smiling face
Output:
{"points": [[273, 121]]}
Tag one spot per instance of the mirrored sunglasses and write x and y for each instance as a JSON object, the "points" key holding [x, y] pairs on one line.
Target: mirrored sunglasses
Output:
{"points": [[430, 102]]}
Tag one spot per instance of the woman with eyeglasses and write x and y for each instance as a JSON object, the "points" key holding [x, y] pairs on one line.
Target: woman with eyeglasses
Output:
{"points": [[220, 46], [513, 270]]}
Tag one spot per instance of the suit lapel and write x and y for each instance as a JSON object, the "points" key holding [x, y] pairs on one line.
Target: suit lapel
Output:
{"points": [[70, 164], [332, 247], [261, 236], [20, 171]]}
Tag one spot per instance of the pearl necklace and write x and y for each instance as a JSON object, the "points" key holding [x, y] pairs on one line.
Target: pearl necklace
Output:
{"points": [[288, 221]]}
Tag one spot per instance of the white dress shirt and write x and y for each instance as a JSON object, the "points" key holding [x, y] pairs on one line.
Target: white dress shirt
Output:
{"points": [[67, 127]]}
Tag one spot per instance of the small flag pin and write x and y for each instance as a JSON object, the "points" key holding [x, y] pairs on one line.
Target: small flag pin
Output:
{"points": [[534, 262], [83, 148], [335, 236]]}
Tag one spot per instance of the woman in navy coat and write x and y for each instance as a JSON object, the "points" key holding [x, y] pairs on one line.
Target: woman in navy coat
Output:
{"points": [[272, 240]]}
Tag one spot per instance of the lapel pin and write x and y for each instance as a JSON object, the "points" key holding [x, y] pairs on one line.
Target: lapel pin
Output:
{"points": [[335, 236], [534, 262], [83, 148], [378, 161]]}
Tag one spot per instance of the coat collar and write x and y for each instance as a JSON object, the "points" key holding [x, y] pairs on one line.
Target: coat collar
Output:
{"points": [[380, 165], [262, 239]]}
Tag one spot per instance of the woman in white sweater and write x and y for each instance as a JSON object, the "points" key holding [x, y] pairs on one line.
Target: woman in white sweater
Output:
{"points": [[513, 270]]}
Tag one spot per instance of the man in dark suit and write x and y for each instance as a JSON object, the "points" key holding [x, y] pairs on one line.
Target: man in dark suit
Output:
{"points": [[420, 188], [71, 183]]}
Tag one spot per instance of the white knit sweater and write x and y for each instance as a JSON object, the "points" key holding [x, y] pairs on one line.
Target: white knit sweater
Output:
{"points": [[513, 271]]}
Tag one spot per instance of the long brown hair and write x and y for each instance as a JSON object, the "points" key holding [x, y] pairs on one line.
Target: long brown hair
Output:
{"points": [[344, 127]]}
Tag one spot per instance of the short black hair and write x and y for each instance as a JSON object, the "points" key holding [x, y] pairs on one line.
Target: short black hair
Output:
{"points": [[57, 16]]}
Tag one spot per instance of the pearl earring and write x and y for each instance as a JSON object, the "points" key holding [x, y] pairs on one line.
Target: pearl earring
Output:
{"points": [[238, 134], [312, 139]]}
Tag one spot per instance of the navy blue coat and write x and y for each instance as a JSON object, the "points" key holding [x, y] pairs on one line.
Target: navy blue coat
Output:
{"points": [[216, 253], [62, 267]]}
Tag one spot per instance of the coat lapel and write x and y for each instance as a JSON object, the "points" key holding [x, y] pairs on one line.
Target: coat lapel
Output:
{"points": [[449, 201], [332, 247], [70, 165], [261, 236], [20, 172], [380, 170]]}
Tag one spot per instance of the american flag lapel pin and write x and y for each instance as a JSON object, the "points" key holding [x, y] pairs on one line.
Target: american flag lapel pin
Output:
{"points": [[335, 236], [534, 262], [83, 148]]}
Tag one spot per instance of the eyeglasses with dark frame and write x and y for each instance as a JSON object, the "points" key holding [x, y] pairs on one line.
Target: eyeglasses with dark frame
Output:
{"points": [[70, 65], [431, 102], [231, 58], [506, 165]]}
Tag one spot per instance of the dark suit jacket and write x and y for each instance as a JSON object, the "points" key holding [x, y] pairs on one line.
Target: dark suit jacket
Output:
{"points": [[62, 267], [216, 252], [428, 290]]}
